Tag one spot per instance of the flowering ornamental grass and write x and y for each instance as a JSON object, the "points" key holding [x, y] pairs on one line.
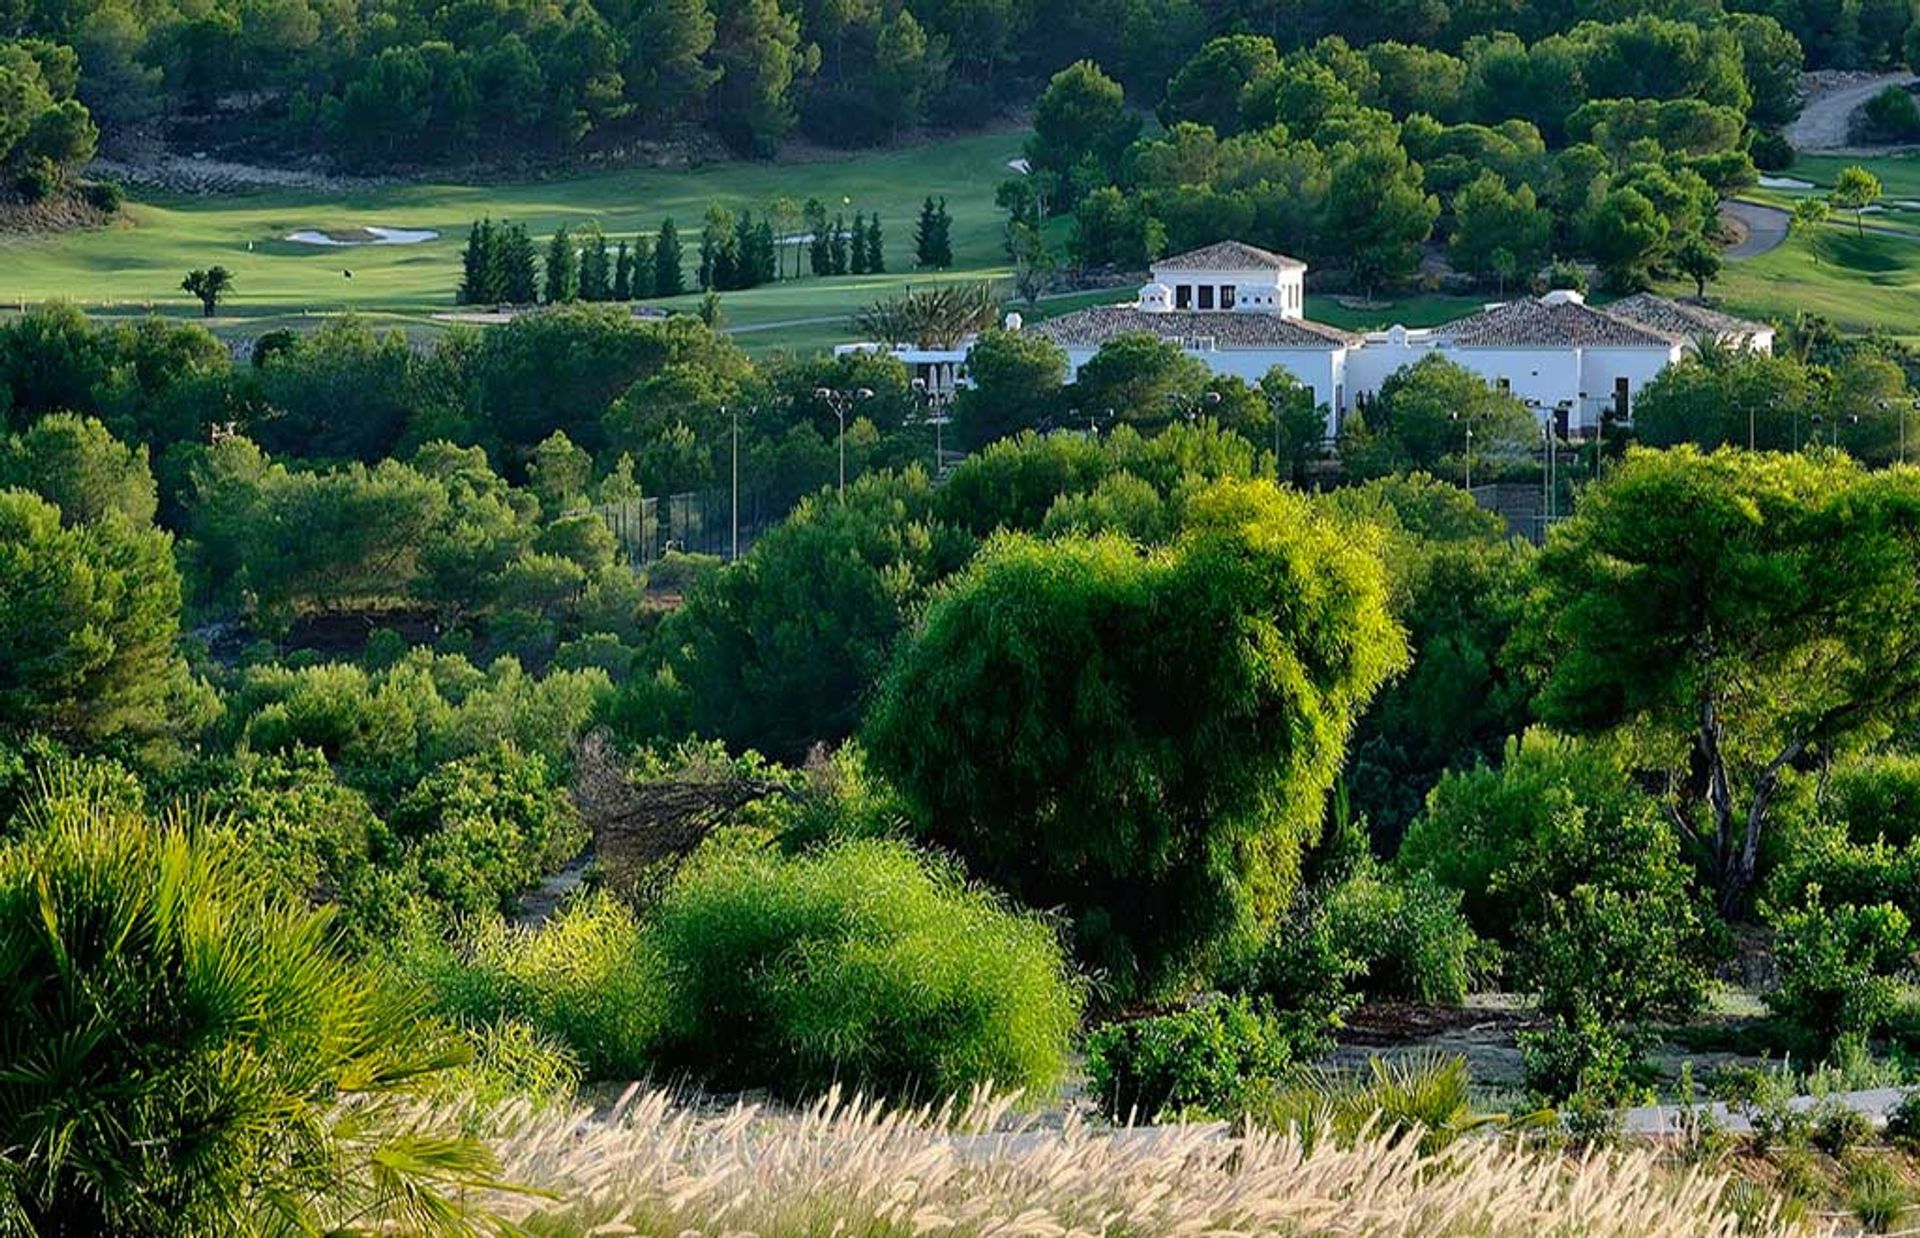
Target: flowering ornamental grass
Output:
{"points": [[657, 1166]]}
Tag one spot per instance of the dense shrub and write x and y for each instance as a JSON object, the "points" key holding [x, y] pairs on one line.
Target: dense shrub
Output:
{"points": [[1582, 1056], [1839, 966], [1877, 798], [585, 980], [179, 1036], [1903, 1124], [1403, 935], [384, 730], [1210, 1059], [1479, 825], [1145, 738], [863, 962], [778, 651], [484, 828]]}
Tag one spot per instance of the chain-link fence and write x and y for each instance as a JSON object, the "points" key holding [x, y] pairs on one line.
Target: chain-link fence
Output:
{"points": [[696, 522]]}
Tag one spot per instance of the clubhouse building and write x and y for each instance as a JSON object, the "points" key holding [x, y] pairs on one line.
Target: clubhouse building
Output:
{"points": [[1241, 310]]}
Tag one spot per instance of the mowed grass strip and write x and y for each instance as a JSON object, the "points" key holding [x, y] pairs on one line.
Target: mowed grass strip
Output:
{"points": [[140, 262]]}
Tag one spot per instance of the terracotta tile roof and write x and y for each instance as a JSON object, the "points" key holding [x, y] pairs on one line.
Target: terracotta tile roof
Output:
{"points": [[1230, 256], [1539, 323], [1680, 318], [1226, 328]]}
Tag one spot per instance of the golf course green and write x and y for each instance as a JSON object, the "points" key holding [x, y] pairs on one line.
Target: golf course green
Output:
{"points": [[137, 264]]}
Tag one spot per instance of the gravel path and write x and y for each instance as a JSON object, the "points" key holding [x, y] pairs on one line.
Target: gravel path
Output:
{"points": [[1825, 123], [1657, 1120], [1765, 228]]}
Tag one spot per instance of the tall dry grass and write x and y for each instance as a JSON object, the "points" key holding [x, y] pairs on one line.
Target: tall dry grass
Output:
{"points": [[855, 1168]]}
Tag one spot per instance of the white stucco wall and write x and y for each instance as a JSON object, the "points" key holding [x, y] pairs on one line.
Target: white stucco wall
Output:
{"points": [[1601, 367]]}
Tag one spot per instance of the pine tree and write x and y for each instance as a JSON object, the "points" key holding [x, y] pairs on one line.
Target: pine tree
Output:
{"points": [[669, 275], [563, 269], [622, 273], [876, 253], [643, 273], [517, 277], [479, 267], [857, 245], [925, 234], [596, 270], [837, 245], [819, 246]]}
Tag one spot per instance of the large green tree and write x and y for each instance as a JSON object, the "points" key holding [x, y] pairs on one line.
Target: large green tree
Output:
{"points": [[89, 619], [1082, 115], [73, 463], [1144, 738], [1430, 415], [778, 651], [1734, 616]]}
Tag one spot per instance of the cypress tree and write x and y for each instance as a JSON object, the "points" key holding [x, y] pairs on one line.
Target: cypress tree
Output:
{"points": [[517, 279], [857, 246], [766, 254], [819, 247], [669, 278], [942, 236], [876, 253], [643, 276], [563, 269], [837, 245], [596, 271], [925, 234], [622, 273], [479, 267]]}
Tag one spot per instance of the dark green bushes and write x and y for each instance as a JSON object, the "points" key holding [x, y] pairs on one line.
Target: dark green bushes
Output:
{"points": [[1210, 1059], [1839, 966]]}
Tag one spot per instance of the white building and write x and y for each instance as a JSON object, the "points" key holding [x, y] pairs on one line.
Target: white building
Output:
{"points": [[1241, 310]]}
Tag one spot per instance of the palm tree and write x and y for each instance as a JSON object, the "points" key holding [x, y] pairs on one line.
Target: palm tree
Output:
{"points": [[937, 317], [187, 1051]]}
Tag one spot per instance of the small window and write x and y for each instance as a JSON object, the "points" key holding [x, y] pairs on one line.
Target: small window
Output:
{"points": [[1226, 297], [1206, 296], [1504, 385], [1183, 296]]}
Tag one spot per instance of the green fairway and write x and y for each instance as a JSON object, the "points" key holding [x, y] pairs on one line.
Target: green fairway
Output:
{"points": [[139, 263], [1869, 283]]}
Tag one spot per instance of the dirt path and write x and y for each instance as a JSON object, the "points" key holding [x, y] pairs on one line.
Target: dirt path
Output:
{"points": [[1825, 123]]}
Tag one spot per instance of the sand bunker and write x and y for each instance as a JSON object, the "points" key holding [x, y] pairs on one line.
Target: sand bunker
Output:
{"points": [[1784, 182], [362, 236]]}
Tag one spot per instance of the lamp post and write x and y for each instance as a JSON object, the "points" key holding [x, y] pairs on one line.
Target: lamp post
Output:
{"points": [[1189, 405], [734, 414], [1468, 425], [934, 403], [1886, 405], [841, 402]]}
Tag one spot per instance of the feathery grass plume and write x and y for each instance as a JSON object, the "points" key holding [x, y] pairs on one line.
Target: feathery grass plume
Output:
{"points": [[853, 1166]]}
